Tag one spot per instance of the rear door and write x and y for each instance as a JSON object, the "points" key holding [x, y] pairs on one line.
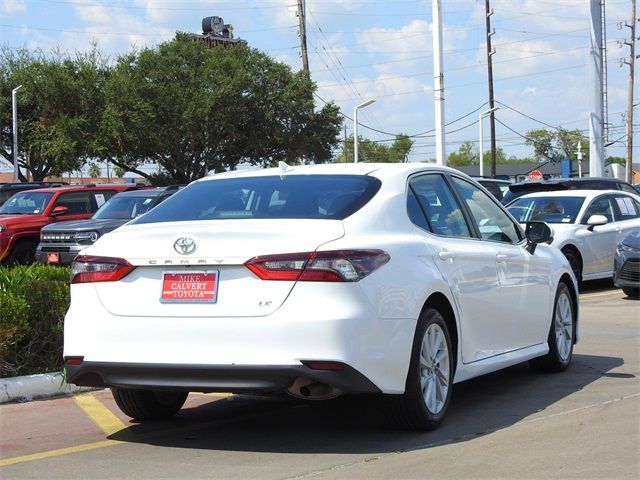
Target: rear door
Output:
{"points": [[465, 264], [524, 289], [627, 215], [600, 241]]}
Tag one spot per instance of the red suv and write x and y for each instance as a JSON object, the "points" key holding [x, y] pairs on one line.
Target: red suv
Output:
{"points": [[25, 213]]}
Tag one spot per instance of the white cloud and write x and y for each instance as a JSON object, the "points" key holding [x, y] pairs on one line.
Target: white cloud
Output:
{"points": [[8, 7]]}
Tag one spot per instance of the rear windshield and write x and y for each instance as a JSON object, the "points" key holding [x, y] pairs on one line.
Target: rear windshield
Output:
{"points": [[125, 207], [288, 196], [546, 209]]}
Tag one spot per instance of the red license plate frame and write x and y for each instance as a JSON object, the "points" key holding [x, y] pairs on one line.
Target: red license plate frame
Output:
{"points": [[53, 257], [190, 287]]}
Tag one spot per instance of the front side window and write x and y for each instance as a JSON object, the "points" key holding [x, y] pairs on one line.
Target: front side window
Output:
{"points": [[490, 219], [599, 206], [332, 197], [75, 202], [441, 209]]}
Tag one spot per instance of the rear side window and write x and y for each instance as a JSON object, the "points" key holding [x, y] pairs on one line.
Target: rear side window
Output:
{"points": [[287, 196], [627, 208], [436, 202]]}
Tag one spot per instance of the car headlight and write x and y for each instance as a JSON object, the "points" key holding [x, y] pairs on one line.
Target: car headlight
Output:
{"points": [[86, 238], [625, 248]]}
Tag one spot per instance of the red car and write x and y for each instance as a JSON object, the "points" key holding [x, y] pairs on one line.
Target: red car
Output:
{"points": [[25, 213]]}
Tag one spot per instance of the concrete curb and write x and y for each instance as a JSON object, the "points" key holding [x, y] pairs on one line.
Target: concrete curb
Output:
{"points": [[30, 387]]}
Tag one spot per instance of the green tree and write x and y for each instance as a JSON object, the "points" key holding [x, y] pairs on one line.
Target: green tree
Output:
{"points": [[94, 170], [556, 145], [192, 110], [59, 106], [465, 155], [119, 172], [376, 152]]}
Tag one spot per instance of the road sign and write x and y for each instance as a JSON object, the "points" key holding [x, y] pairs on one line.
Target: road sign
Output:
{"points": [[535, 175]]}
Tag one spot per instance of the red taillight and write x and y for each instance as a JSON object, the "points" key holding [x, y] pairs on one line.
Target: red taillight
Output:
{"points": [[331, 266], [72, 361], [88, 269], [322, 365]]}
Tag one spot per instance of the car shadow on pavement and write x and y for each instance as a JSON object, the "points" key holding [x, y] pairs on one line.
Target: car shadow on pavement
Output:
{"points": [[358, 424]]}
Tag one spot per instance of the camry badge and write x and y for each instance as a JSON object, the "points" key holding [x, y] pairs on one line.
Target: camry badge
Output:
{"points": [[185, 246]]}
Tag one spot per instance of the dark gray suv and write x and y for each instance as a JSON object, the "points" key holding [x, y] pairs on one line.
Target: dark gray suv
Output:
{"points": [[61, 242]]}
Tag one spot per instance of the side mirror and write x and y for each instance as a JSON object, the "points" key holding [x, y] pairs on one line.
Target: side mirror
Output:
{"points": [[537, 232], [59, 210], [595, 220]]}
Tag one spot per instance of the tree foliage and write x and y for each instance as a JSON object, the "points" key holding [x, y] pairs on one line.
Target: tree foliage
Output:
{"points": [[191, 110], [59, 106], [376, 152], [557, 145], [467, 154]]}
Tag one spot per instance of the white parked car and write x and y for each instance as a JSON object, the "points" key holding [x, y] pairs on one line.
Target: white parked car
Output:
{"points": [[587, 225], [395, 279]]}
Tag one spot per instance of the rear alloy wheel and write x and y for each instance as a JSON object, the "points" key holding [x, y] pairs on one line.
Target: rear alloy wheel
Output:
{"points": [[429, 381], [561, 334], [574, 262], [148, 404]]}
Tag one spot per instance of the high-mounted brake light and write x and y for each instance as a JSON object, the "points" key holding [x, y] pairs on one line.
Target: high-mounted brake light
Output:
{"points": [[88, 269], [331, 266]]}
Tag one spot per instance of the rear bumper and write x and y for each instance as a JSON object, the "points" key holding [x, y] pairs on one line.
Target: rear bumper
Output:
{"points": [[212, 378]]}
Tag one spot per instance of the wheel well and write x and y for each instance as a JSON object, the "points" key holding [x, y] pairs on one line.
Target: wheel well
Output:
{"points": [[441, 303], [566, 279], [29, 241], [573, 250]]}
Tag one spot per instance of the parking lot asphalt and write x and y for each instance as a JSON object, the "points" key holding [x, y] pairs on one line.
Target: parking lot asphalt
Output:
{"points": [[583, 423]]}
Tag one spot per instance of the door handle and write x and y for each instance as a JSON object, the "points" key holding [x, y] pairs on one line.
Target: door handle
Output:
{"points": [[501, 258], [446, 255]]}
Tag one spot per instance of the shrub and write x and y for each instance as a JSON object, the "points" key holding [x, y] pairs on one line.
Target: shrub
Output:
{"points": [[14, 326], [33, 302]]}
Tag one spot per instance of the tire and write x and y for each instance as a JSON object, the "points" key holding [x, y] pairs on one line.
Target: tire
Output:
{"points": [[575, 262], [148, 404], [22, 253], [561, 334], [430, 378], [633, 292]]}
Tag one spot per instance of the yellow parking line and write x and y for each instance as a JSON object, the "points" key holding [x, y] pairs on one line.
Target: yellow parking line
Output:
{"points": [[101, 415], [58, 452]]}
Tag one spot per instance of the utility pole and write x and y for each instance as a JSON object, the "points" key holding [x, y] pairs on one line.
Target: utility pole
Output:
{"points": [[596, 146], [492, 119], [302, 25], [438, 82], [631, 62]]}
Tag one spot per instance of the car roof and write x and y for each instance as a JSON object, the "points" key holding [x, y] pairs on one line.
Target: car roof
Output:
{"points": [[574, 193], [561, 182], [82, 188], [380, 170]]}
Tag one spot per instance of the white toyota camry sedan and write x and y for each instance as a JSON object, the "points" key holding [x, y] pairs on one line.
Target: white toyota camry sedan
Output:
{"points": [[587, 225], [390, 279]]}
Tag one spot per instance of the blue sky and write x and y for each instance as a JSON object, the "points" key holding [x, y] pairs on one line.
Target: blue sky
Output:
{"points": [[378, 49]]}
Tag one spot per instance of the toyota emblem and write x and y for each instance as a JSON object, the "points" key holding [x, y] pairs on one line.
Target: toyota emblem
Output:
{"points": [[185, 246]]}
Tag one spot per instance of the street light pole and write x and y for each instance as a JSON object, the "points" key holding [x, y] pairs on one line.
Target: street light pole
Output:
{"points": [[14, 105], [480, 117], [355, 127]]}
